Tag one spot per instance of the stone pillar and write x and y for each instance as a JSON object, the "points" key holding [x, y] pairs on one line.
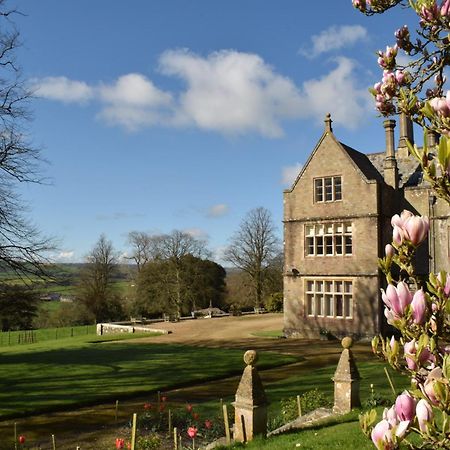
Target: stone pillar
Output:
{"points": [[406, 134], [346, 381], [251, 403], [390, 163]]}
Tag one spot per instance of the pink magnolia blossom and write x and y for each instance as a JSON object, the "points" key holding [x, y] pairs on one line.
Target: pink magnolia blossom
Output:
{"points": [[417, 229], [445, 8], [419, 307], [382, 435], [397, 298], [405, 406], [424, 414], [430, 385]]}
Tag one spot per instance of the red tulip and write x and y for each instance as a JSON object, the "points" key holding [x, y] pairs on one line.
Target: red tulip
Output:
{"points": [[195, 416], [162, 407], [164, 398], [208, 424], [192, 432], [119, 443], [21, 439], [148, 406], [189, 408]]}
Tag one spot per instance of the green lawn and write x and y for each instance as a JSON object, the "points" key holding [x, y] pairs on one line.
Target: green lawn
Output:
{"points": [[70, 372]]}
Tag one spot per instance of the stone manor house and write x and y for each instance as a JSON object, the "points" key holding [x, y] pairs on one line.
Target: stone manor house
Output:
{"points": [[336, 224]]}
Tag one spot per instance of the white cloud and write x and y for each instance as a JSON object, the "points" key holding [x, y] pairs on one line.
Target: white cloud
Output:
{"points": [[289, 174], [334, 38], [231, 92], [197, 233], [338, 93], [228, 92], [133, 101], [63, 256], [63, 89], [218, 210]]}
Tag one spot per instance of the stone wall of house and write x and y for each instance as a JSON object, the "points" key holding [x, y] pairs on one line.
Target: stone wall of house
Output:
{"points": [[366, 310], [360, 206]]}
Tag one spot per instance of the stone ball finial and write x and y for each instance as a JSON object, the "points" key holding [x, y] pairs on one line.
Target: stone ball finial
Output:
{"points": [[347, 342], [250, 357], [328, 122]]}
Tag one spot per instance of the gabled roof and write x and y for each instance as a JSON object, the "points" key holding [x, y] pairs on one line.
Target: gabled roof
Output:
{"points": [[370, 166], [358, 160]]}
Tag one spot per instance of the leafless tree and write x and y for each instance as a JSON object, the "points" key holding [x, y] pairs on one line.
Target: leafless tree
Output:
{"points": [[21, 245], [144, 247], [253, 247], [96, 291]]}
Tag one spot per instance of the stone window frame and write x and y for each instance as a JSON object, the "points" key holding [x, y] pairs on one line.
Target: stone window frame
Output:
{"points": [[327, 189], [325, 297], [328, 239]]}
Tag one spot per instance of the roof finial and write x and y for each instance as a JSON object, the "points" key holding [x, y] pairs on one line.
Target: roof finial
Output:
{"points": [[328, 122]]}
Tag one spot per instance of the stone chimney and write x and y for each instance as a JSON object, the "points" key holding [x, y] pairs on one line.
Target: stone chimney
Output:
{"points": [[390, 163], [406, 134], [432, 138]]}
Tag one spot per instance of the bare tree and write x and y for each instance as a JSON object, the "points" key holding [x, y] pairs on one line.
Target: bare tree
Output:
{"points": [[144, 247], [96, 291], [253, 247], [21, 245]]}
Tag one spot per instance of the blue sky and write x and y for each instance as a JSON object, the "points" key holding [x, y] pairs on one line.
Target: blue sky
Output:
{"points": [[165, 114]]}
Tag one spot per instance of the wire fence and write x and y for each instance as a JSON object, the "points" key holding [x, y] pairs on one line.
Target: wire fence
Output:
{"points": [[8, 338]]}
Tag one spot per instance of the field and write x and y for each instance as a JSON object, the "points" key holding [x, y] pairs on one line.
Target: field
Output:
{"points": [[85, 370]]}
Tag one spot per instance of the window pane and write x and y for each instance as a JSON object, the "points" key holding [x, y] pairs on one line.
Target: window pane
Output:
{"points": [[309, 231], [319, 305], [348, 287], [310, 286], [310, 305], [347, 306], [338, 241], [328, 286], [328, 189], [329, 305], [329, 245], [348, 228], [319, 245], [329, 229], [339, 305], [318, 190], [319, 286], [337, 188], [348, 245], [310, 246], [338, 286]]}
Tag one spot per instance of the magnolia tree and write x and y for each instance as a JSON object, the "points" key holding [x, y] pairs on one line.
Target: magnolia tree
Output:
{"points": [[418, 308]]}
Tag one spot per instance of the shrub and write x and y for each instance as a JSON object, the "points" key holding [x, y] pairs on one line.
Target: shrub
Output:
{"points": [[150, 442], [274, 302]]}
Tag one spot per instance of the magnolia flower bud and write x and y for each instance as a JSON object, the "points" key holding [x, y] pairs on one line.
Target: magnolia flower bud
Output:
{"points": [[424, 414], [405, 406], [418, 306], [389, 250]]}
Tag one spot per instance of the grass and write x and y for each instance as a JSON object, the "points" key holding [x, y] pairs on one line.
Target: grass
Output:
{"points": [[340, 436], [270, 333], [55, 375], [13, 338]]}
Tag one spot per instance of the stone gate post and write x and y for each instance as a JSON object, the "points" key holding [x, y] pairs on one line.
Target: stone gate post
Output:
{"points": [[346, 381], [251, 403]]}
